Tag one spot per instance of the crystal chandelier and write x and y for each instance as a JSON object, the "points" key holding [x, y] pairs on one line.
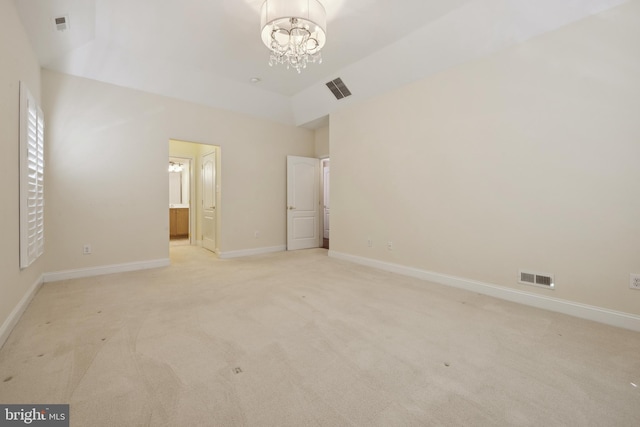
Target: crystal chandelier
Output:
{"points": [[294, 31]]}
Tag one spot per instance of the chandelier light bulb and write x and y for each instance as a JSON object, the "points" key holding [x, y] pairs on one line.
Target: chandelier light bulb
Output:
{"points": [[175, 167]]}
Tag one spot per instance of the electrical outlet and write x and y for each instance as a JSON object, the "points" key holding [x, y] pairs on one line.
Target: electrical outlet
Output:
{"points": [[256, 234], [390, 246], [635, 281], [370, 243], [86, 249]]}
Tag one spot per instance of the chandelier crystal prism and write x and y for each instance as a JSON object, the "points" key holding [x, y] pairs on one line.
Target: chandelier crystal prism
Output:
{"points": [[294, 31]]}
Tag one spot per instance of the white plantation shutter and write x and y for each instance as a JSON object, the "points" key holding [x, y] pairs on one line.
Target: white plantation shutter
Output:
{"points": [[31, 178]]}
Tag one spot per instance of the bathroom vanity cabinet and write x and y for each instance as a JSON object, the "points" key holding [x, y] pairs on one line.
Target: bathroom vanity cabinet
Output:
{"points": [[178, 222]]}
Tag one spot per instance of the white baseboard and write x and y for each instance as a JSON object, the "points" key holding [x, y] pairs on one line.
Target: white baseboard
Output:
{"points": [[583, 311], [16, 313], [249, 252], [107, 269]]}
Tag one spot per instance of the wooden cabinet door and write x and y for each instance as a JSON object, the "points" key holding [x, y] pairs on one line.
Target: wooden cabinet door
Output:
{"points": [[173, 224], [182, 222]]}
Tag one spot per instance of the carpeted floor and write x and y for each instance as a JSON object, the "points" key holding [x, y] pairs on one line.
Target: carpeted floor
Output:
{"points": [[299, 339]]}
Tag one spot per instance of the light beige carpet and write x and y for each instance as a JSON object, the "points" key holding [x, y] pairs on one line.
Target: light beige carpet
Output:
{"points": [[299, 339]]}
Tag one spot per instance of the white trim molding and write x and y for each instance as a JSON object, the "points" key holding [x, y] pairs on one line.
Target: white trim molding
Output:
{"points": [[107, 269], [249, 252], [18, 310], [583, 311]]}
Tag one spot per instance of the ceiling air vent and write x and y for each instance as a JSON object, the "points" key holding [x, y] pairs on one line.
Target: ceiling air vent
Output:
{"points": [[537, 279], [338, 88], [61, 23]]}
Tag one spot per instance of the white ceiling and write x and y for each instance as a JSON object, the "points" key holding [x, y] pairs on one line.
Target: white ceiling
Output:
{"points": [[206, 51]]}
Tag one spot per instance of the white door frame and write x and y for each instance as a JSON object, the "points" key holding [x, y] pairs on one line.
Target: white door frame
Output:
{"points": [[323, 202]]}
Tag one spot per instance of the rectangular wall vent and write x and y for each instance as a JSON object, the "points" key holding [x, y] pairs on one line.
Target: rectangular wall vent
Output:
{"points": [[61, 23], [338, 88], [537, 279]]}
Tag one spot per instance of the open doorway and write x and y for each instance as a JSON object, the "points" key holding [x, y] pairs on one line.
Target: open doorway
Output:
{"points": [[194, 192], [308, 203], [179, 200]]}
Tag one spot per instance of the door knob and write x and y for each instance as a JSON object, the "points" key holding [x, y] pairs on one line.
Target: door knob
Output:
{"points": [[291, 208]]}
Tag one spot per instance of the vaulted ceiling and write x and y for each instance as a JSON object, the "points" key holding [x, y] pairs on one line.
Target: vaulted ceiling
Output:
{"points": [[207, 51]]}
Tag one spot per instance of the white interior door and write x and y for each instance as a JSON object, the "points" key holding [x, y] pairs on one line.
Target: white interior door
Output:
{"points": [[209, 201], [303, 202], [325, 189]]}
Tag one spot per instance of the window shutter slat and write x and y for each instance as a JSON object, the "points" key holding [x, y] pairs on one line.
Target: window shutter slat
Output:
{"points": [[31, 179]]}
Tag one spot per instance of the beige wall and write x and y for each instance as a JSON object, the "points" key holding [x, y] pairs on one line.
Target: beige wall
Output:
{"points": [[18, 64], [106, 174], [322, 142], [526, 159]]}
